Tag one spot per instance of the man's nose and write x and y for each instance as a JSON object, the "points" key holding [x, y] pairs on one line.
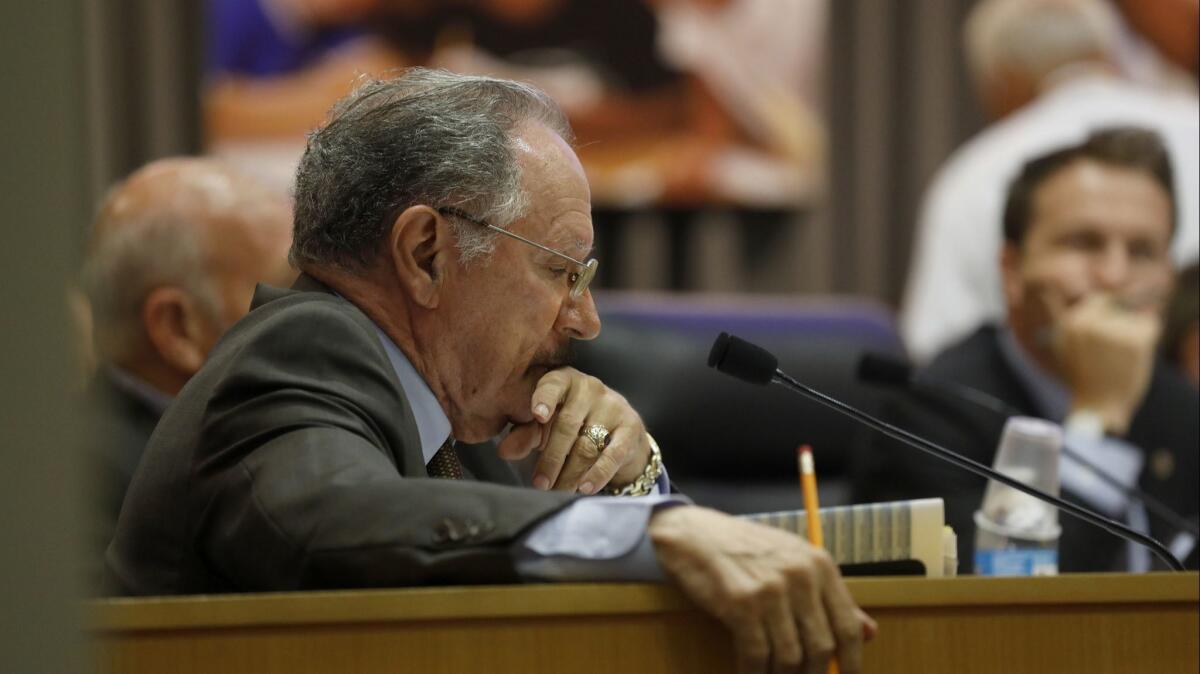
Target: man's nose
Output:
{"points": [[1111, 269], [578, 317]]}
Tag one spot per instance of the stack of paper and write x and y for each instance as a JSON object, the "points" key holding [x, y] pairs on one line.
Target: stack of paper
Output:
{"points": [[873, 533]]}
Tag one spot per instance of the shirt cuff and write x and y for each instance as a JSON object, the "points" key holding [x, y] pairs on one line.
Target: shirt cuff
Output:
{"points": [[595, 539], [662, 485]]}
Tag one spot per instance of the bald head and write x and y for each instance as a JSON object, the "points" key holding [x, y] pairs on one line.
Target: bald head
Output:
{"points": [[185, 189], [173, 257], [1015, 46]]}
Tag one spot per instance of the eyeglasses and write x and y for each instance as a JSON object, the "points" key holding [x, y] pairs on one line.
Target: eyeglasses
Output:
{"points": [[579, 280]]}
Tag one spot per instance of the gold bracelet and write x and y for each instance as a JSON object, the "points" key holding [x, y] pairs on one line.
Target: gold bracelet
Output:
{"points": [[644, 484]]}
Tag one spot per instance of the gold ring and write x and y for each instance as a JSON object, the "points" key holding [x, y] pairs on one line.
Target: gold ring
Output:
{"points": [[598, 434]]}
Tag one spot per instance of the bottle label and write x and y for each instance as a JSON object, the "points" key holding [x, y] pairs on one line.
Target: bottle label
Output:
{"points": [[1041, 562]]}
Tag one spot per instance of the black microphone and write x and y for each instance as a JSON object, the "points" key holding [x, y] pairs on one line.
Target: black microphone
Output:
{"points": [[749, 362], [876, 368], [739, 358]]}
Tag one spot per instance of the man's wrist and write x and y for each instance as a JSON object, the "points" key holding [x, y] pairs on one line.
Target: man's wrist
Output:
{"points": [[1098, 419], [636, 466], [665, 521], [644, 482]]}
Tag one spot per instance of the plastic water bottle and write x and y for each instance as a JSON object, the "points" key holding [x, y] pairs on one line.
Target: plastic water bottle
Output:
{"points": [[1015, 533]]}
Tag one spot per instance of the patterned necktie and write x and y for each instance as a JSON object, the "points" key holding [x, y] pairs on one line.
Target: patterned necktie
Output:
{"points": [[444, 463]]}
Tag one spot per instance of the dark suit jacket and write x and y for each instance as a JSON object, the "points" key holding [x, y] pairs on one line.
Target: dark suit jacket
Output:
{"points": [[292, 461], [1166, 428], [119, 426]]}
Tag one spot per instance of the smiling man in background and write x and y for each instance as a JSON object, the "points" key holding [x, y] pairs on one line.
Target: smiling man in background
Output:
{"points": [[1048, 72]]}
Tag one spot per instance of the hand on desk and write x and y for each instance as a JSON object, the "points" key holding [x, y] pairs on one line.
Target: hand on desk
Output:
{"points": [[783, 599]]}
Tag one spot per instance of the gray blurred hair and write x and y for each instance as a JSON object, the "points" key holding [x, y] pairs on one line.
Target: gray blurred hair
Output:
{"points": [[1037, 37], [155, 229], [133, 257], [426, 137]]}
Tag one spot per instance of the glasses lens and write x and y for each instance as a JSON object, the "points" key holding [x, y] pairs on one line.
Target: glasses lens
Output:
{"points": [[585, 277]]}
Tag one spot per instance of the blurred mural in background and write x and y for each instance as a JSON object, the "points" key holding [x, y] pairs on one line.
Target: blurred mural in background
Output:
{"points": [[663, 118], [733, 145], [670, 129]]}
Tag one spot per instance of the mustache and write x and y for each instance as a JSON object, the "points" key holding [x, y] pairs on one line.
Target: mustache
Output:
{"points": [[553, 359]]}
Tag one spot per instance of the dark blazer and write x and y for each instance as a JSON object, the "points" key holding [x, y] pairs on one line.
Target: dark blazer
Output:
{"points": [[119, 425], [292, 461], [1166, 428]]}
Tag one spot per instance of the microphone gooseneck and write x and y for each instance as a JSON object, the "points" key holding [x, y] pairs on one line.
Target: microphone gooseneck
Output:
{"points": [[726, 361], [888, 370], [878, 368]]}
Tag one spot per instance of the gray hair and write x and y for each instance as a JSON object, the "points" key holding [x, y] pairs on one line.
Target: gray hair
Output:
{"points": [[1037, 37], [154, 230], [129, 260], [426, 137]]}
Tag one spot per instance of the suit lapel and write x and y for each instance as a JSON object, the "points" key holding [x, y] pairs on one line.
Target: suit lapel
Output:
{"points": [[409, 458]]}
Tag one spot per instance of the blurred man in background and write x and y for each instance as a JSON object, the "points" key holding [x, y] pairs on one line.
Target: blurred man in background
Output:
{"points": [[174, 255], [1047, 70], [1086, 275]]}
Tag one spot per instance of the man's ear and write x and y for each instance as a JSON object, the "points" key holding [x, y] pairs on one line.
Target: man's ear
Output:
{"points": [[422, 249], [1010, 274], [176, 329]]}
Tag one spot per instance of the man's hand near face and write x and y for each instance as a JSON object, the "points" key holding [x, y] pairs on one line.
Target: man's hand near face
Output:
{"points": [[565, 402], [1105, 356]]}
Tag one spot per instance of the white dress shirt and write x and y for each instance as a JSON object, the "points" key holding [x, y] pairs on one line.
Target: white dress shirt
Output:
{"points": [[954, 276]]}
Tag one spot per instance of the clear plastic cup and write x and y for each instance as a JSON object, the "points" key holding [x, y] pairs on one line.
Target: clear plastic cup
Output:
{"points": [[1029, 452]]}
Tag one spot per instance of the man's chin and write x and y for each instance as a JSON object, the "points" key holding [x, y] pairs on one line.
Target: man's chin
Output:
{"points": [[474, 437], [520, 419], [534, 374], [478, 429]]}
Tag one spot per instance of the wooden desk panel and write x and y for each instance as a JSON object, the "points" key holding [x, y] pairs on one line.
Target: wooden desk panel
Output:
{"points": [[1094, 624]]}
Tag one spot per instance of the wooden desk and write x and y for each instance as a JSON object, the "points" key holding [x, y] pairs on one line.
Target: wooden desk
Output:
{"points": [[1093, 624]]}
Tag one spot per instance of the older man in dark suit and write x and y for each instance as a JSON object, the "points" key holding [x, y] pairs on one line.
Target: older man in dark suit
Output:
{"points": [[443, 226]]}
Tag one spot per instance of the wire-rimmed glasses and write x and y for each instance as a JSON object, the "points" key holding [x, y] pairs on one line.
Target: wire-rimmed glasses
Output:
{"points": [[579, 280]]}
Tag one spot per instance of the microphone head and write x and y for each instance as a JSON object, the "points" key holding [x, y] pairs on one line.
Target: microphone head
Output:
{"points": [[741, 359], [878, 368]]}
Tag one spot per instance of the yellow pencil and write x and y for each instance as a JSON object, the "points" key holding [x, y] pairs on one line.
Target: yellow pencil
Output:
{"points": [[808, 487], [812, 508]]}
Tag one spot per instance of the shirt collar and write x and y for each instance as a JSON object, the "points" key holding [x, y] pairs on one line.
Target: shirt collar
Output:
{"points": [[433, 426], [139, 388], [1050, 397], [1069, 79]]}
